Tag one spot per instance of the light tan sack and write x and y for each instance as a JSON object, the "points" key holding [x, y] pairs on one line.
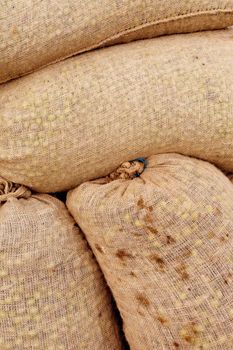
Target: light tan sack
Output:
{"points": [[52, 293], [164, 242], [36, 33], [79, 119]]}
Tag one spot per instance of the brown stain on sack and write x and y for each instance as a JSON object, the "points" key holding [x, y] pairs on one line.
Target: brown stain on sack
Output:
{"points": [[159, 261], [142, 299], [182, 271], [148, 218], [228, 279], [98, 247], [191, 334], [163, 320], [141, 203], [133, 274], [152, 230], [190, 339], [123, 254], [170, 239], [224, 238]]}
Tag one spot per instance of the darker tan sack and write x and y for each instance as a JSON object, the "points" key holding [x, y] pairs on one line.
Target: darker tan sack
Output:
{"points": [[37, 33], [52, 293], [164, 242]]}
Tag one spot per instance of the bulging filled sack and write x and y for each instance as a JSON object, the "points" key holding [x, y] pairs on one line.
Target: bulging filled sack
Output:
{"points": [[79, 119], [52, 293], [164, 242], [37, 33]]}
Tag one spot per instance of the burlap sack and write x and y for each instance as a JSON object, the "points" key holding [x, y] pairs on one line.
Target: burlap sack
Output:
{"points": [[52, 293], [164, 241], [37, 33], [79, 119]]}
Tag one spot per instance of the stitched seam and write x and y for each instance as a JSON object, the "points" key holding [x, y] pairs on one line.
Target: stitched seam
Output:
{"points": [[129, 31], [157, 22]]}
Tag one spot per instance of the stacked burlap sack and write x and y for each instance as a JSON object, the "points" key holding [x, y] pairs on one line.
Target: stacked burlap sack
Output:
{"points": [[164, 241], [37, 33], [160, 225], [52, 293], [80, 119]]}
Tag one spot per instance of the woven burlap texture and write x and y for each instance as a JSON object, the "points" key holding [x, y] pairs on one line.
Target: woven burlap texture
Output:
{"points": [[52, 293], [79, 119], [36, 33], [164, 242]]}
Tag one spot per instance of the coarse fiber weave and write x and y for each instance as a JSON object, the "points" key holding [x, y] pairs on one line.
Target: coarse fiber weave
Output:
{"points": [[52, 293], [36, 33], [164, 241], [79, 119]]}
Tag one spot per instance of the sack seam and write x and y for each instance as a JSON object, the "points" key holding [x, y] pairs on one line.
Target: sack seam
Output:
{"points": [[157, 22], [125, 32]]}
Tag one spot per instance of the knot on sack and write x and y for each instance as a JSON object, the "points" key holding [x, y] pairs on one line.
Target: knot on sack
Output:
{"points": [[9, 189], [129, 170]]}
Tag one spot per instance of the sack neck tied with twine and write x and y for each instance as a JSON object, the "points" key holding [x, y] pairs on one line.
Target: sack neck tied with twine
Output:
{"points": [[10, 189], [127, 171]]}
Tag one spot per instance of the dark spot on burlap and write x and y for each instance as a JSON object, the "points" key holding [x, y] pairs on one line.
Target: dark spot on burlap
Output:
{"points": [[133, 274], [141, 203], [176, 345], [148, 218], [227, 279], [192, 334], [142, 299], [170, 239], [123, 254], [158, 260], [98, 247], [152, 230], [163, 320], [189, 339], [182, 271]]}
